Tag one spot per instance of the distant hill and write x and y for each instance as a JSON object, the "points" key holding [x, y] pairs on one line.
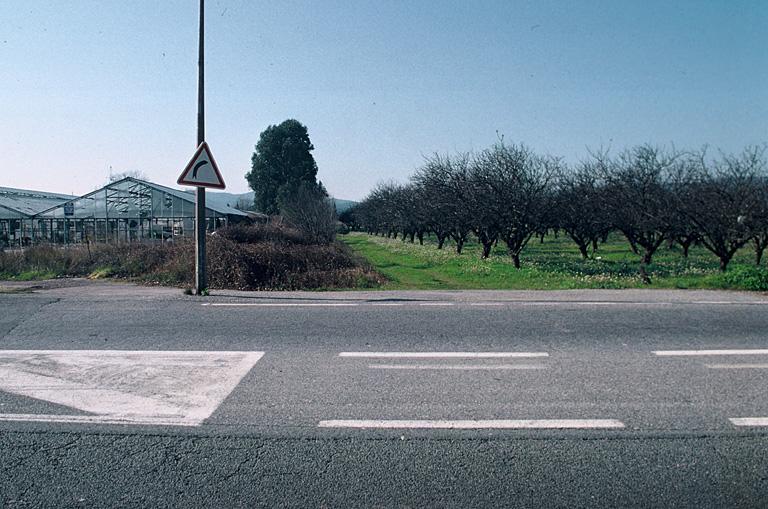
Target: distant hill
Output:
{"points": [[342, 205], [223, 199]]}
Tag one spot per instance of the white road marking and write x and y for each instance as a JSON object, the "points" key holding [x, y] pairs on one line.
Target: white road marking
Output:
{"points": [[138, 387], [460, 367], [730, 302], [97, 419], [749, 421], [442, 355], [477, 304], [283, 304], [480, 424], [737, 366], [691, 353]]}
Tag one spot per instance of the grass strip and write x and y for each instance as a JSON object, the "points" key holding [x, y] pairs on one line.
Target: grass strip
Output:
{"points": [[549, 265]]}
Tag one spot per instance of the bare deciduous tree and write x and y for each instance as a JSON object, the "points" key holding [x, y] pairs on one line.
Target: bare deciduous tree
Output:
{"points": [[725, 201], [518, 180], [443, 180], [639, 198], [312, 212], [580, 209]]}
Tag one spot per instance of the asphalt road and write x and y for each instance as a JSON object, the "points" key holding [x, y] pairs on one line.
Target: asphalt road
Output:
{"points": [[115, 395]]}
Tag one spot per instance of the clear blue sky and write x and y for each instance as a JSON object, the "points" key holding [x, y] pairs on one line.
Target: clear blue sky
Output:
{"points": [[89, 85]]}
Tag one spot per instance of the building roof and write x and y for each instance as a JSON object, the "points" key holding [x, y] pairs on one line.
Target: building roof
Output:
{"points": [[190, 198], [215, 205], [28, 202]]}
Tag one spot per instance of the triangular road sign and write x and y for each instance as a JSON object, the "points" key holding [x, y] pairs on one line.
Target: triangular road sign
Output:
{"points": [[202, 170]]}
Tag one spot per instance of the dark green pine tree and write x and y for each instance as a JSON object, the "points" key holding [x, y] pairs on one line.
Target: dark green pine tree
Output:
{"points": [[281, 163]]}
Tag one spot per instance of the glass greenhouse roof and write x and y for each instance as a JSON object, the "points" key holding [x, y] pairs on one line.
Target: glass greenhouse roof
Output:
{"points": [[128, 197], [134, 198], [23, 202]]}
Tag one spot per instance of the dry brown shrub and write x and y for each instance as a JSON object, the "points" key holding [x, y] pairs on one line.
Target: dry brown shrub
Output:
{"points": [[254, 257], [284, 266]]}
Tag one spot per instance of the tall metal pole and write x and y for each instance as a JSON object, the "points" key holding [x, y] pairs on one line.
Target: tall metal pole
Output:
{"points": [[200, 221]]}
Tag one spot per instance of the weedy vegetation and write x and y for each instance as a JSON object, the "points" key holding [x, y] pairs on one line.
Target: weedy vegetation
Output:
{"points": [[252, 257]]}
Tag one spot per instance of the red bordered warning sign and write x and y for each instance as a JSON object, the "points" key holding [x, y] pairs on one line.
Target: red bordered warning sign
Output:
{"points": [[202, 171]]}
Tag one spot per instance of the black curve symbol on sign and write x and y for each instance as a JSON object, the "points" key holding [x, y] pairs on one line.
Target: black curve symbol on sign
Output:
{"points": [[197, 167]]}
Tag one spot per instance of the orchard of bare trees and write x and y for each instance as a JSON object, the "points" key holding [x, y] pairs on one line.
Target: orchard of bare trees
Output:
{"points": [[508, 194]]}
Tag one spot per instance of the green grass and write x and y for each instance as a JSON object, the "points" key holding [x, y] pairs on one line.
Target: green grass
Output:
{"points": [[29, 275], [102, 273], [553, 264]]}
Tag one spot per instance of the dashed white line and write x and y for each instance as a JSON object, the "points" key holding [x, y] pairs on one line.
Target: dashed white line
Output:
{"points": [[749, 421], [478, 424], [282, 304], [692, 353], [460, 367], [442, 355], [730, 302], [434, 304], [737, 366]]}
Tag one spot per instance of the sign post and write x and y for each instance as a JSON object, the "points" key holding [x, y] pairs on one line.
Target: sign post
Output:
{"points": [[201, 171], [201, 284]]}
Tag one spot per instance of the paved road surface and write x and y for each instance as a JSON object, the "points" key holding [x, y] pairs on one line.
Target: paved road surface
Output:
{"points": [[119, 395]]}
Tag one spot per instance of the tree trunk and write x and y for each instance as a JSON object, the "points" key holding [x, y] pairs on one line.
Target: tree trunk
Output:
{"points": [[459, 246], [724, 260], [686, 246], [644, 262], [487, 249], [594, 245], [644, 275], [440, 241], [759, 249], [413, 235], [516, 260], [421, 238], [647, 257], [583, 250]]}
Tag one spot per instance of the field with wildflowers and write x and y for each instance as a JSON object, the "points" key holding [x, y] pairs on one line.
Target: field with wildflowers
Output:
{"points": [[552, 264]]}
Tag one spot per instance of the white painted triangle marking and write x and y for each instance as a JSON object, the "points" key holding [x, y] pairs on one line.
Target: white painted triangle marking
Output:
{"points": [[82, 396], [139, 387]]}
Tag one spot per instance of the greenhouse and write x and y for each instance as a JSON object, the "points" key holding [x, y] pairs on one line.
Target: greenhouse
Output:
{"points": [[18, 207], [127, 210]]}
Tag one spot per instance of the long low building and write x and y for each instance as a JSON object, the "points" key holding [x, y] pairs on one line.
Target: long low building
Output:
{"points": [[123, 211]]}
